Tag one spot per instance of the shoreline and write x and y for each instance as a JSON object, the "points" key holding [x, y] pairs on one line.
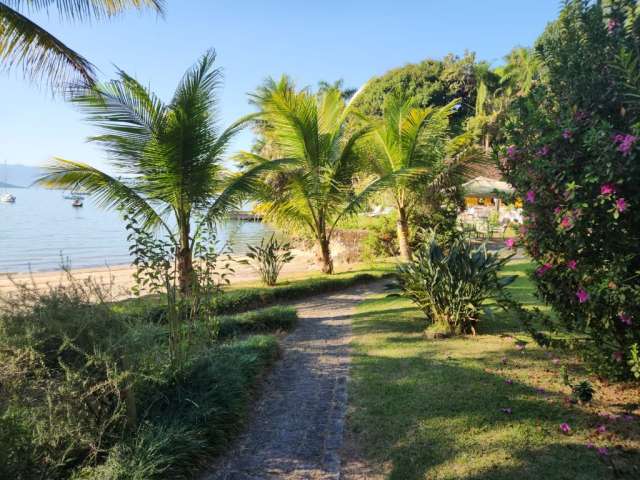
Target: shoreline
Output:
{"points": [[120, 277]]}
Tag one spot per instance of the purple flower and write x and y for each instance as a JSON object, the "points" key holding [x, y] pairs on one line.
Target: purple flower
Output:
{"points": [[512, 151], [572, 264], [626, 319], [601, 429], [544, 151], [531, 196], [508, 410], [581, 115], [510, 242], [508, 381], [617, 356], [590, 445], [621, 205], [603, 451], [565, 428], [607, 189], [582, 295], [628, 418], [567, 134], [625, 143], [541, 391]]}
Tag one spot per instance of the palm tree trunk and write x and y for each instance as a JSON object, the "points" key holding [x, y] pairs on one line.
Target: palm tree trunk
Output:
{"points": [[184, 256], [403, 234], [325, 256]]}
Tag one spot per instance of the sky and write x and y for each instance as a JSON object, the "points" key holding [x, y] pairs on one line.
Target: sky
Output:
{"points": [[254, 39]]}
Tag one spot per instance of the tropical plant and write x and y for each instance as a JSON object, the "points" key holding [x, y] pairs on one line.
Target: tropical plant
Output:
{"points": [[309, 188], [269, 257], [412, 157], [451, 286], [168, 157], [40, 54], [571, 152]]}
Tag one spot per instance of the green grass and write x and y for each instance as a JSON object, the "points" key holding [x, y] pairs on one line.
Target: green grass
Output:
{"points": [[431, 409], [264, 320]]}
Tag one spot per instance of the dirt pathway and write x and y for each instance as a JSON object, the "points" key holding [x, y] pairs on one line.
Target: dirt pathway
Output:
{"points": [[296, 431]]}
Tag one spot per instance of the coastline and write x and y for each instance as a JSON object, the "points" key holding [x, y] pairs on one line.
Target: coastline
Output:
{"points": [[120, 277]]}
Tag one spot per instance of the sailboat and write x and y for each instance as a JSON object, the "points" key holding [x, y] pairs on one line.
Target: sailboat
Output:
{"points": [[6, 197]]}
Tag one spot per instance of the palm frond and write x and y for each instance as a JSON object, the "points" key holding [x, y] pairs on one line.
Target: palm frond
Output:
{"points": [[85, 10]]}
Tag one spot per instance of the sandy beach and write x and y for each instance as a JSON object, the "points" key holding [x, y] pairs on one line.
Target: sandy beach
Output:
{"points": [[121, 276]]}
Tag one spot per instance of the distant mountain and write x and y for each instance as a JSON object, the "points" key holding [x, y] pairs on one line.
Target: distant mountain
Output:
{"points": [[19, 175], [8, 185]]}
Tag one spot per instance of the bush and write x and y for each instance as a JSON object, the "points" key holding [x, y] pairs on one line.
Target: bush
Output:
{"points": [[381, 240], [89, 392], [269, 258], [451, 286], [572, 156], [258, 321]]}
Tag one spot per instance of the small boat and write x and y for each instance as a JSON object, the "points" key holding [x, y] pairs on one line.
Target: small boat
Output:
{"points": [[77, 203], [7, 198]]}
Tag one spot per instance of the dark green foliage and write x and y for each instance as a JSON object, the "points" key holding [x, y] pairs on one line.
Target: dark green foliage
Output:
{"points": [[450, 286], [268, 319], [432, 83], [583, 391], [269, 257], [572, 152], [89, 392]]}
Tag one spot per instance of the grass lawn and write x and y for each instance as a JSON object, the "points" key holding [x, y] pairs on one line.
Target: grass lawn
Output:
{"points": [[478, 408]]}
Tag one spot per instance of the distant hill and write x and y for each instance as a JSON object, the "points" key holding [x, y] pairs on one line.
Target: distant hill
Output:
{"points": [[8, 185], [19, 175]]}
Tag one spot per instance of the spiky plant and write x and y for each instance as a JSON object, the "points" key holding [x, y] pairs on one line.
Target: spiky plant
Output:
{"points": [[168, 157]]}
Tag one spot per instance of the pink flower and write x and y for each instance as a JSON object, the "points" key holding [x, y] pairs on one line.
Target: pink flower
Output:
{"points": [[565, 428], [582, 295], [607, 189], [510, 242], [512, 151], [544, 268], [626, 319], [617, 356], [555, 361], [567, 134], [612, 24], [566, 222], [520, 346], [572, 264], [557, 210], [621, 205], [543, 151], [590, 445], [601, 429], [531, 196], [603, 451], [509, 381]]}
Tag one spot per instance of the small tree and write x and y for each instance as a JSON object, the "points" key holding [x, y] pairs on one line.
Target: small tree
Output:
{"points": [[269, 257]]}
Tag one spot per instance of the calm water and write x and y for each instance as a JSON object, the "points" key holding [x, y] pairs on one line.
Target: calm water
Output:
{"points": [[42, 227]]}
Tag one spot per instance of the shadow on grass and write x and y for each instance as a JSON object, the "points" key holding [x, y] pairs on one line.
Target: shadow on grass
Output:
{"points": [[434, 409]]}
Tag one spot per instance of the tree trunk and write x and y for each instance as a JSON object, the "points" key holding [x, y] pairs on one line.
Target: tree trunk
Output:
{"points": [[184, 258], [403, 235], [325, 256]]}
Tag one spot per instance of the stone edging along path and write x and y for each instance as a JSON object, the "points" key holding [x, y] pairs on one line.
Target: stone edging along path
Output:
{"points": [[297, 427]]}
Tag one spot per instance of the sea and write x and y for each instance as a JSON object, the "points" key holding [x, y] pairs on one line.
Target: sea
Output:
{"points": [[42, 230]]}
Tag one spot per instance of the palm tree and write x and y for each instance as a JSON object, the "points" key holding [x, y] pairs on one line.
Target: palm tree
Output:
{"points": [[41, 54], [412, 157], [308, 131], [168, 156]]}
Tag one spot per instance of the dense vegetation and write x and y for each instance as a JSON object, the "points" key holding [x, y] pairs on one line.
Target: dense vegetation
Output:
{"points": [[571, 153]]}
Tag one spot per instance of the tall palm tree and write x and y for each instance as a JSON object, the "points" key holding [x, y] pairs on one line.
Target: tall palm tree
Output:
{"points": [[411, 156], [308, 131], [168, 157], [40, 54]]}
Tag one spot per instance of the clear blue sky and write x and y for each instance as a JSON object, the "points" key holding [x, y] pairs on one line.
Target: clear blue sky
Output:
{"points": [[309, 40]]}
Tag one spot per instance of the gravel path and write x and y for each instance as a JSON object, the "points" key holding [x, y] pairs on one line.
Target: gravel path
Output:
{"points": [[296, 431]]}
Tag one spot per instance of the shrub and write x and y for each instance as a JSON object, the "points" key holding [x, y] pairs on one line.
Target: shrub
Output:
{"points": [[451, 286], [381, 240], [269, 258], [572, 156], [258, 321]]}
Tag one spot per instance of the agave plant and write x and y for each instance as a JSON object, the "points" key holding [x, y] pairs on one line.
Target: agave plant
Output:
{"points": [[450, 286], [269, 257], [168, 157]]}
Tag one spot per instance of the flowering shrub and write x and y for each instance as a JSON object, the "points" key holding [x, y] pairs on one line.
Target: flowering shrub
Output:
{"points": [[574, 157]]}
